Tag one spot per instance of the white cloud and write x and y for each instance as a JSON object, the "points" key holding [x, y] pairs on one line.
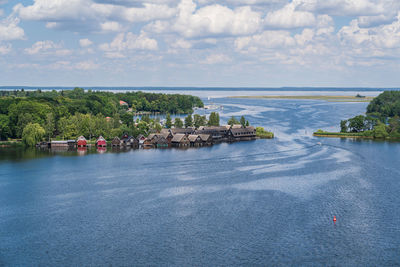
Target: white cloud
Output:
{"points": [[5, 49], [87, 15], [346, 7], [181, 43], [9, 29], [265, 40], [214, 20], [85, 42], [111, 26], [86, 65], [129, 41], [216, 59], [47, 47], [289, 17]]}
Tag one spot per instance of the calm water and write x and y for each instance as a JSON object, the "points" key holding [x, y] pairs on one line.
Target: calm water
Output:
{"points": [[264, 202]]}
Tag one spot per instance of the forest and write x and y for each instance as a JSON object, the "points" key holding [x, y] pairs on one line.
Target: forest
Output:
{"points": [[70, 113], [382, 119]]}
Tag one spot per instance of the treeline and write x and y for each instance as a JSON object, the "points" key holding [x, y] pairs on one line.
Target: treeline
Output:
{"points": [[66, 114], [382, 119]]}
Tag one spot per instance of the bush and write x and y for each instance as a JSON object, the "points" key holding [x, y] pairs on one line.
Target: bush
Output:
{"points": [[261, 133]]}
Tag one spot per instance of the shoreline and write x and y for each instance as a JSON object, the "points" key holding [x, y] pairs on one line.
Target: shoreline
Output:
{"points": [[337, 98]]}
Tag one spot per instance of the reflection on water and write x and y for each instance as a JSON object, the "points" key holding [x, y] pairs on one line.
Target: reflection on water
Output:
{"points": [[263, 202]]}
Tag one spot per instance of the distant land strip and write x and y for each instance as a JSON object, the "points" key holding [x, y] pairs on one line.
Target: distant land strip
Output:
{"points": [[340, 98]]}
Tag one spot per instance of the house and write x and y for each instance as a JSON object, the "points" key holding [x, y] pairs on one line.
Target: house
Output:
{"points": [[141, 139], [218, 133], [160, 142], [59, 144], [123, 103], [127, 141], [148, 143], [168, 136], [187, 131], [101, 142], [206, 139], [81, 142], [236, 126], [243, 134], [195, 140], [180, 140], [116, 142]]}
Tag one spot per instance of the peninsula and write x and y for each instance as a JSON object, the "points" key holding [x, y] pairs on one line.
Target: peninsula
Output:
{"points": [[337, 98], [83, 118]]}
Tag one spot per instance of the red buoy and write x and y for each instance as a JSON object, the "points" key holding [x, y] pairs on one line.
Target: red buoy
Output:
{"points": [[334, 219]]}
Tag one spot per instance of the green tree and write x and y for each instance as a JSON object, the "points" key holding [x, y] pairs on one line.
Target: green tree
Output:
{"points": [[23, 120], [233, 121], [146, 118], [247, 123], [178, 123], [343, 126], [380, 131], [168, 122], [394, 124], [32, 134], [199, 120], [356, 124], [188, 121], [127, 118], [243, 121], [214, 119], [5, 131], [50, 125], [157, 127]]}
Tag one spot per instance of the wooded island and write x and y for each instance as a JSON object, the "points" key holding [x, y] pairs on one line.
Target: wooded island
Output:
{"points": [[382, 120]]}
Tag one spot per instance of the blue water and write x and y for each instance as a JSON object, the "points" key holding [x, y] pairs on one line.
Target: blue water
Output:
{"points": [[263, 202]]}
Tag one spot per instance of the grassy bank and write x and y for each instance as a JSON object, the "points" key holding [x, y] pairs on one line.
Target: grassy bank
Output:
{"points": [[342, 135], [361, 135], [313, 97], [11, 143]]}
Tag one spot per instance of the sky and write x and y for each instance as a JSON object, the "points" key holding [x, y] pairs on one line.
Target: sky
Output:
{"points": [[200, 43]]}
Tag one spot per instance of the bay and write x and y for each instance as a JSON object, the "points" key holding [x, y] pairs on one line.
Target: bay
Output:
{"points": [[263, 202]]}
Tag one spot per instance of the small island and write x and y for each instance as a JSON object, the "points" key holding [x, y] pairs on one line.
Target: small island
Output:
{"points": [[382, 120], [77, 118]]}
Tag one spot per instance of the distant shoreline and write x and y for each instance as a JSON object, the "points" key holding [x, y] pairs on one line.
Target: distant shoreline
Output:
{"points": [[205, 88], [340, 98]]}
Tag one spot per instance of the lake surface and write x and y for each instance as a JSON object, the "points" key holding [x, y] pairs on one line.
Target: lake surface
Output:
{"points": [[263, 202]]}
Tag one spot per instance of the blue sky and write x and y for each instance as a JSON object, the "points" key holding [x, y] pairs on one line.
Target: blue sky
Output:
{"points": [[239, 43]]}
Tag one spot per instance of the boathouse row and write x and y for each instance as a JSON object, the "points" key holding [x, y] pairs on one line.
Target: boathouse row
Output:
{"points": [[174, 137]]}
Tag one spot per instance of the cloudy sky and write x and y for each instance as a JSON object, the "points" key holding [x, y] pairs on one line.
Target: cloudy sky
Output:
{"points": [[254, 43]]}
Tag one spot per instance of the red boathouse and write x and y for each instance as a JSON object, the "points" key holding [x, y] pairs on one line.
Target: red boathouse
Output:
{"points": [[101, 142], [81, 142]]}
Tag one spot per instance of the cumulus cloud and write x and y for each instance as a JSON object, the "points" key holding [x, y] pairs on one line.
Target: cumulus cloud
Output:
{"points": [[47, 47], [267, 39], [123, 42], [345, 7], [86, 65], [211, 20], [88, 15], [111, 26], [5, 49], [289, 17], [384, 36], [9, 29], [85, 42], [216, 59]]}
